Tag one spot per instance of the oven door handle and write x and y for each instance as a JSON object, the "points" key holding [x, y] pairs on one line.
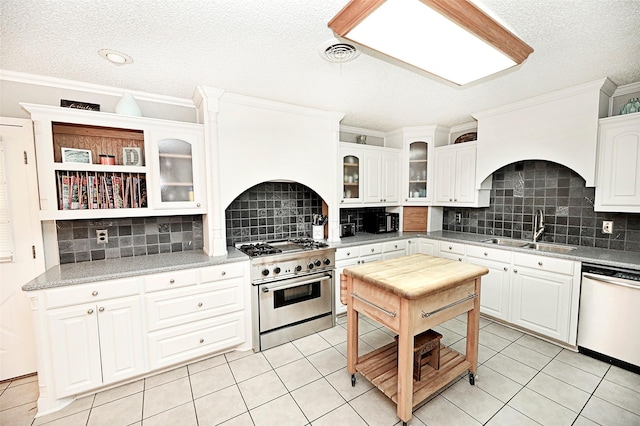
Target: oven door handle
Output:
{"points": [[266, 288]]}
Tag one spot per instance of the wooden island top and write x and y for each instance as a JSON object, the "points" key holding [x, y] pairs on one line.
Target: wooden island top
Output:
{"points": [[417, 275], [409, 295]]}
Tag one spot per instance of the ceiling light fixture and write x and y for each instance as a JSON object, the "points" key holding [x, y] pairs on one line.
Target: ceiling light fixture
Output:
{"points": [[452, 39], [115, 57]]}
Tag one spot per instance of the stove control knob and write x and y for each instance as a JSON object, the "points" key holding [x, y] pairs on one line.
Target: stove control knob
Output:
{"points": [[317, 262], [327, 261], [276, 270], [310, 266], [265, 272], [298, 268]]}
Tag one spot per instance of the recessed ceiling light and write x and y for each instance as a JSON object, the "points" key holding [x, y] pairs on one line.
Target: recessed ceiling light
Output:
{"points": [[115, 57]]}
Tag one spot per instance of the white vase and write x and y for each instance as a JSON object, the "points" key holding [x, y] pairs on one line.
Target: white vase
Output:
{"points": [[127, 105]]}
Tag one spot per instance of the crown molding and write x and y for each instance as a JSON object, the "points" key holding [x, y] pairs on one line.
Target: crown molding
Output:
{"points": [[60, 83]]}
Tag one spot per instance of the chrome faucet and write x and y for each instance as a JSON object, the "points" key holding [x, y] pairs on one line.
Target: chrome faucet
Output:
{"points": [[538, 224]]}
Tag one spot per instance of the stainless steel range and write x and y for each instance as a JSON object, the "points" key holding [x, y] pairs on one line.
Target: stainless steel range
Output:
{"points": [[293, 289]]}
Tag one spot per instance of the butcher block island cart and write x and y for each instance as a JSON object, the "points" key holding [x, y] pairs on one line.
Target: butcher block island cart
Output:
{"points": [[409, 295]]}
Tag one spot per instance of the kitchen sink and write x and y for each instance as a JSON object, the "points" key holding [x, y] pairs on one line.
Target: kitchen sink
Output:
{"points": [[507, 242], [552, 248]]}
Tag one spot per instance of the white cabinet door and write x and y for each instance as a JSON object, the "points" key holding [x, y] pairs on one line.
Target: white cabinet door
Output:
{"points": [[494, 288], [351, 176], [121, 339], [340, 308], [75, 349], [390, 178], [618, 178], [445, 176], [178, 167], [465, 180], [422, 245], [541, 302], [373, 177]]}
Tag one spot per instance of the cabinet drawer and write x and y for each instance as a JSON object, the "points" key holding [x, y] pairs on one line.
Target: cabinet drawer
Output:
{"points": [[449, 247], [544, 263], [377, 304], [394, 246], [178, 344], [347, 253], [175, 307], [221, 272], [169, 280], [489, 253], [92, 292], [371, 249]]}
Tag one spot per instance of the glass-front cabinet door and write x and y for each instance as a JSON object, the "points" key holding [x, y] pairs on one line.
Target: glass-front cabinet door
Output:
{"points": [[351, 166], [418, 160], [179, 183]]}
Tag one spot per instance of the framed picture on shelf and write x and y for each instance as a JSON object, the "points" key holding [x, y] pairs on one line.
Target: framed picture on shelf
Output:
{"points": [[73, 155]]}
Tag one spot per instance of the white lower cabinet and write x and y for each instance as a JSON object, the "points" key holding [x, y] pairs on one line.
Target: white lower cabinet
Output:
{"points": [[394, 249], [543, 296], [495, 286], [451, 250], [422, 245], [96, 344], [95, 334], [535, 292]]}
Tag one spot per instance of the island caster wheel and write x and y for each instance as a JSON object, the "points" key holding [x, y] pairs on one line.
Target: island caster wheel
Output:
{"points": [[472, 378], [353, 380], [404, 423]]}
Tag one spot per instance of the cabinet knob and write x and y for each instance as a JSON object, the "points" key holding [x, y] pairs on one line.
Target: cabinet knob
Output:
{"points": [[201, 340], [90, 311], [172, 281], [94, 293], [342, 201], [224, 273], [506, 269], [198, 205], [486, 254], [395, 246], [455, 199], [450, 248], [539, 263], [459, 259], [101, 309], [348, 253], [199, 304], [372, 250], [450, 199], [515, 271], [406, 199]]}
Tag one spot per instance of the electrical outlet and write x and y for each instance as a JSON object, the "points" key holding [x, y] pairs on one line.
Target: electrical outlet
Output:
{"points": [[458, 217], [102, 236], [607, 226]]}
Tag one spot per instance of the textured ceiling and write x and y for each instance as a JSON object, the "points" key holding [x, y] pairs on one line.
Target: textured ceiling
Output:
{"points": [[269, 49]]}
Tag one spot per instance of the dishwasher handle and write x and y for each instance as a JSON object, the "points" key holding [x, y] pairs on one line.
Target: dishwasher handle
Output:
{"points": [[604, 279]]}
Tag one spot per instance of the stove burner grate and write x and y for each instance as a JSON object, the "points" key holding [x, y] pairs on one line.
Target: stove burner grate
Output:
{"points": [[260, 249]]}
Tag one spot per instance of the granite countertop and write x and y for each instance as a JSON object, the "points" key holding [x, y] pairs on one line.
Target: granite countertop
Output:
{"points": [[101, 270], [605, 257]]}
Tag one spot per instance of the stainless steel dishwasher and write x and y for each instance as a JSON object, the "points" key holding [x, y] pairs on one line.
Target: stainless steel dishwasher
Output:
{"points": [[609, 316]]}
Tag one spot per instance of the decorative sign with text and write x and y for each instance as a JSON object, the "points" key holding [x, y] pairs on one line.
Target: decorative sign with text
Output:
{"points": [[79, 105]]}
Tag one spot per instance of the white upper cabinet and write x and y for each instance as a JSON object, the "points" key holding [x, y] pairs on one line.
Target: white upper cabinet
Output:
{"points": [[417, 169], [369, 174], [177, 171], [455, 177], [618, 174], [98, 165]]}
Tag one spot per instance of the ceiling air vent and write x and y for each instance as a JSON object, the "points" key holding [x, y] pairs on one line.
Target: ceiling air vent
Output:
{"points": [[336, 51]]}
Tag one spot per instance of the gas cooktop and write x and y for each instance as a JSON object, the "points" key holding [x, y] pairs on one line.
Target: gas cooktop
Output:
{"points": [[258, 249]]}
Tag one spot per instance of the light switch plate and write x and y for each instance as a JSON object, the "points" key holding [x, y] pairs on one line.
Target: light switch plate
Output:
{"points": [[607, 226]]}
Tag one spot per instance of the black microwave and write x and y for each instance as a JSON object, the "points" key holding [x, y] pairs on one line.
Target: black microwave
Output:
{"points": [[379, 222]]}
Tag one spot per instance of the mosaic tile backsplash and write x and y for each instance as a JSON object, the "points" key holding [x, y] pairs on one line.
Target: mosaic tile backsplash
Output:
{"points": [[128, 237], [519, 189], [272, 211]]}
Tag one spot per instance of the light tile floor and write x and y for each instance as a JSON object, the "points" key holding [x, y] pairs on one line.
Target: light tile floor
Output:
{"points": [[522, 380]]}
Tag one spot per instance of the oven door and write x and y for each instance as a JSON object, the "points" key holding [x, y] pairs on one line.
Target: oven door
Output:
{"points": [[292, 300]]}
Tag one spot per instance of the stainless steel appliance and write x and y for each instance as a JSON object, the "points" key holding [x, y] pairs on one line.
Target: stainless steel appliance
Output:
{"points": [[609, 315], [347, 229], [380, 222], [293, 289]]}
